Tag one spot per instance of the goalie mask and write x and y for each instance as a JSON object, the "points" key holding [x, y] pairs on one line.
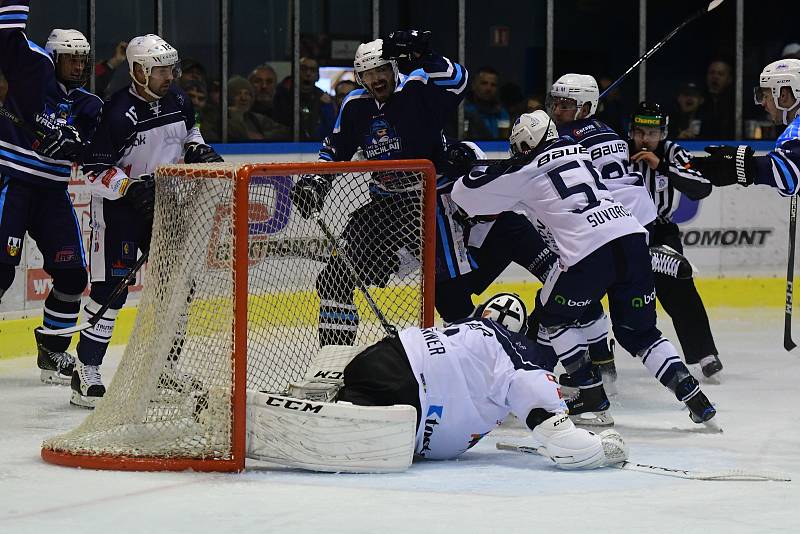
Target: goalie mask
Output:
{"points": [[531, 130], [71, 56], [369, 57], [774, 77], [573, 90], [506, 309], [150, 51]]}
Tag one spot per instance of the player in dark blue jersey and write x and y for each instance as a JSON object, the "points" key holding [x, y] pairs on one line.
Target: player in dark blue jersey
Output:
{"points": [[389, 118], [148, 124], [779, 93], [55, 117]]}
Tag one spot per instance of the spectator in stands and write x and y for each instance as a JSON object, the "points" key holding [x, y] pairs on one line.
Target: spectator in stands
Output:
{"points": [[215, 93], [191, 69], [791, 51], [718, 110], [104, 70], [685, 120], [613, 109], [264, 81], [208, 116], [343, 89], [484, 115], [317, 108], [243, 123], [534, 103]]}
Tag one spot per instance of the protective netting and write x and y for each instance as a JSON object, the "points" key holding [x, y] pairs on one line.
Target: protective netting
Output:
{"points": [[171, 396]]}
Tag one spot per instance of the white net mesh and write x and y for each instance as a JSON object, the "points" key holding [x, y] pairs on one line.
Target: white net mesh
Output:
{"points": [[171, 395]]}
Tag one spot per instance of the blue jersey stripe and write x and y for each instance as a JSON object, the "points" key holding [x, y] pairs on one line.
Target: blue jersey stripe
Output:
{"points": [[445, 243], [784, 172], [459, 75], [77, 230], [60, 170]]}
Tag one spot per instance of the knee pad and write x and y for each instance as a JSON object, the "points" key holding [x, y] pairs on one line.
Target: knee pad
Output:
{"points": [[101, 293], [633, 341], [70, 281]]}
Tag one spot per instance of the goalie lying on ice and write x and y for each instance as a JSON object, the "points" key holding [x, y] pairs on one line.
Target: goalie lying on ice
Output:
{"points": [[431, 392]]}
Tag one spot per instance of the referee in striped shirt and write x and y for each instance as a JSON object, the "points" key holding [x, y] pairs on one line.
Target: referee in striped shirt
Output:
{"points": [[663, 164]]}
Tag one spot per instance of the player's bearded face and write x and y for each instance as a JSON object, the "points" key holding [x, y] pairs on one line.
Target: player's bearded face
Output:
{"points": [[160, 80], [71, 67], [380, 82], [646, 138]]}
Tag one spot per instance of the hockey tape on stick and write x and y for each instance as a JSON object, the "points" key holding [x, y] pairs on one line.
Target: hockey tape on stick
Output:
{"points": [[788, 344], [697, 14], [338, 251], [740, 475], [125, 282]]}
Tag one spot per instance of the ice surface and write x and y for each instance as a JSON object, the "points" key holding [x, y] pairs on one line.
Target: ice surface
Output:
{"points": [[484, 491]]}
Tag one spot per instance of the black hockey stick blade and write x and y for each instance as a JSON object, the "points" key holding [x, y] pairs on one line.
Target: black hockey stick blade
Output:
{"points": [[94, 319], [19, 123], [788, 343]]}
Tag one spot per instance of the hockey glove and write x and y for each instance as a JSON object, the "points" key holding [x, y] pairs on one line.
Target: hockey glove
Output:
{"points": [[141, 194], [308, 194], [727, 165], [404, 44], [63, 142], [199, 153], [460, 159]]}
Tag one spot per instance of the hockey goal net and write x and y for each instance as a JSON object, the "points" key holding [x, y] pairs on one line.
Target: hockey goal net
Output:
{"points": [[240, 292]]}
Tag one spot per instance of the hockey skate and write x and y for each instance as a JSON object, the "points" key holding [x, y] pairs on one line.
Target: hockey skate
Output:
{"points": [[710, 366], [87, 386], [590, 406], [701, 410], [56, 367]]}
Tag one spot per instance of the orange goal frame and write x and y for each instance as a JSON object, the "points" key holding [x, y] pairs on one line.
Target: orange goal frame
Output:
{"points": [[241, 175]]}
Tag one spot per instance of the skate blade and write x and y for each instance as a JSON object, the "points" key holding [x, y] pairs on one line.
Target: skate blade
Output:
{"points": [[83, 402], [593, 419], [53, 378]]}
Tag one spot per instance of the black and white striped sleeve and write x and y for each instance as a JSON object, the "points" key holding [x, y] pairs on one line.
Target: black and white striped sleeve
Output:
{"points": [[676, 165]]}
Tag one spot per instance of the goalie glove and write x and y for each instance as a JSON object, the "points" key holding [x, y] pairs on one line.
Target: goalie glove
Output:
{"points": [[405, 44], [576, 448], [727, 165], [308, 194], [200, 153], [63, 142], [141, 194]]}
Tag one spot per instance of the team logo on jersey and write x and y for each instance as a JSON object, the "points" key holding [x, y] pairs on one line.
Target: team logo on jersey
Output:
{"points": [[155, 107], [382, 141], [14, 246], [52, 118], [432, 420]]}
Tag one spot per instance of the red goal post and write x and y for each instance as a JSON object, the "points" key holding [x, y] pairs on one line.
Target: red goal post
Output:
{"points": [[231, 301]]}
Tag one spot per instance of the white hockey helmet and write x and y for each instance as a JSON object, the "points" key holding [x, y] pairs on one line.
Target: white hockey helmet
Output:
{"points": [[70, 42], [778, 74], [530, 130], [581, 88], [506, 309], [369, 56], [151, 51]]}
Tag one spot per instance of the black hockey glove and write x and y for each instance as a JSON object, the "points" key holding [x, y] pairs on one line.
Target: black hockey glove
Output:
{"points": [[727, 165], [63, 142], [308, 194], [199, 153], [141, 194], [460, 159], [404, 44]]}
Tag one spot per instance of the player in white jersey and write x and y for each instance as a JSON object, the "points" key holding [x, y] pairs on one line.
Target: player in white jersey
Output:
{"points": [[148, 124], [601, 248], [461, 380]]}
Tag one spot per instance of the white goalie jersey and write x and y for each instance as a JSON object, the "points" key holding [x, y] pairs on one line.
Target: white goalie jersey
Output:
{"points": [[471, 376], [560, 191]]}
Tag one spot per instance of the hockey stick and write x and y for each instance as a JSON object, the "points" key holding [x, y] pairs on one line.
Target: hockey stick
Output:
{"points": [[696, 15], [94, 319], [338, 251], [726, 474], [788, 344], [21, 124]]}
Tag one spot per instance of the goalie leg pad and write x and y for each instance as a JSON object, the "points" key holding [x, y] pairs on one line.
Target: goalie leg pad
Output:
{"points": [[325, 375], [329, 437], [576, 448]]}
